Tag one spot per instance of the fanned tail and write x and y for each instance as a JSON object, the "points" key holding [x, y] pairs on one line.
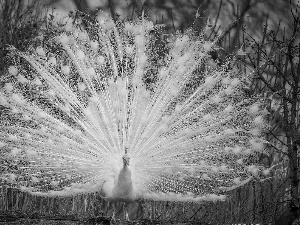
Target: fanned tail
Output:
{"points": [[72, 108]]}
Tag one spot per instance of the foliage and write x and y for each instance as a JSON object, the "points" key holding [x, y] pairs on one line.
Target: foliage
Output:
{"points": [[274, 62], [20, 22]]}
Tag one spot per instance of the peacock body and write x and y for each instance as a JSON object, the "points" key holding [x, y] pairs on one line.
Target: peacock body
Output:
{"points": [[120, 189], [70, 108]]}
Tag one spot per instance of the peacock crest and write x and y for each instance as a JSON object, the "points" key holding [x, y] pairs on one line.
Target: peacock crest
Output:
{"points": [[70, 108]]}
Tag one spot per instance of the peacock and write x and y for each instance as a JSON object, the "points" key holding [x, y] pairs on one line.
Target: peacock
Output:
{"points": [[75, 109], [120, 189]]}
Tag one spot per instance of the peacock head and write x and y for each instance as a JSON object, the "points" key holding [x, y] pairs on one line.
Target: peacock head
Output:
{"points": [[126, 158]]}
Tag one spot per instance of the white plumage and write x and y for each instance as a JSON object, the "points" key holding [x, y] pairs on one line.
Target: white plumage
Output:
{"points": [[121, 188], [72, 107]]}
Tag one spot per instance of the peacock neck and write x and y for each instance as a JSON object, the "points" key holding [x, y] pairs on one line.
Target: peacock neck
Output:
{"points": [[125, 167]]}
